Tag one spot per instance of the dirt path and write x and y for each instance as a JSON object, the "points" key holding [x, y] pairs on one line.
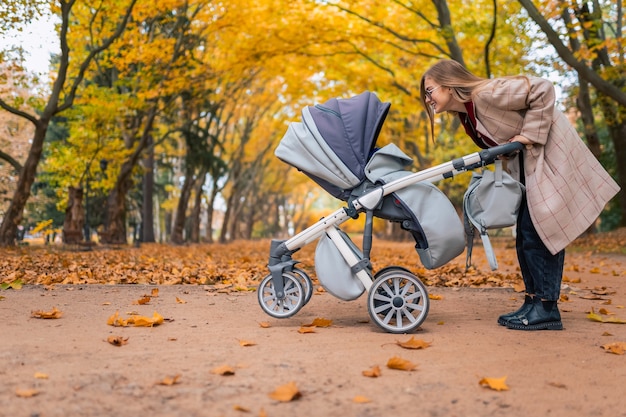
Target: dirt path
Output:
{"points": [[548, 373]]}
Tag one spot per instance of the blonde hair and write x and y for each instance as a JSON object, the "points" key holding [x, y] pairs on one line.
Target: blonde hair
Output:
{"points": [[450, 74]]}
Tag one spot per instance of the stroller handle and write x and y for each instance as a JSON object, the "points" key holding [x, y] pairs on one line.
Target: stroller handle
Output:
{"points": [[487, 156]]}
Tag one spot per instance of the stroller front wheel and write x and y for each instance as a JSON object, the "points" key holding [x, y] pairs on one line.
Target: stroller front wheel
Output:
{"points": [[281, 307], [398, 301]]}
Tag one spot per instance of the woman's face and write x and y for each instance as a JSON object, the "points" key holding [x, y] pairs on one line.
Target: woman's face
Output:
{"points": [[439, 97]]}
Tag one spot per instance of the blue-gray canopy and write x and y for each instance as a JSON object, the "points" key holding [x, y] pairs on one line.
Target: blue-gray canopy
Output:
{"points": [[334, 141]]}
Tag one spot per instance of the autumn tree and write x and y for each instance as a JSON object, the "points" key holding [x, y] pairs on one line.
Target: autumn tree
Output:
{"points": [[596, 52], [69, 76]]}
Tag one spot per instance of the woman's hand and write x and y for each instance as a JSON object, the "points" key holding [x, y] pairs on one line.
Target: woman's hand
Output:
{"points": [[522, 139]]}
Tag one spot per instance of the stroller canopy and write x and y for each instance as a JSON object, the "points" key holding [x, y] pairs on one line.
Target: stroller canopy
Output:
{"points": [[334, 141]]}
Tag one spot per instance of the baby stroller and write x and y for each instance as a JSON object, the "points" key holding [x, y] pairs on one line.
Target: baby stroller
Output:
{"points": [[335, 145]]}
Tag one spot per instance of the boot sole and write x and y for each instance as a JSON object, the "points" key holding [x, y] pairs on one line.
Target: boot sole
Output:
{"points": [[549, 325]]}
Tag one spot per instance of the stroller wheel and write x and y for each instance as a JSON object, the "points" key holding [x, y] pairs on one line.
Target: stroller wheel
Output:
{"points": [[306, 283], [289, 304], [398, 301]]}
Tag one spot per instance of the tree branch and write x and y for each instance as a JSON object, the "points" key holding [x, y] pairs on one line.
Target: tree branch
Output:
{"points": [[566, 55]]}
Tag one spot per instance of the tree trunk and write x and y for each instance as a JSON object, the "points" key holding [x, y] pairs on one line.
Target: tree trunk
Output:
{"points": [[74, 217], [147, 218], [13, 216], [181, 210], [196, 212]]}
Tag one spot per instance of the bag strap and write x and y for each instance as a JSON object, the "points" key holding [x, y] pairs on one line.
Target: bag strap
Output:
{"points": [[470, 222]]}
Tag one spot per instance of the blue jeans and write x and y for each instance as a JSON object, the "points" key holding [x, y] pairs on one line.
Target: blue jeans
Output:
{"points": [[542, 272]]}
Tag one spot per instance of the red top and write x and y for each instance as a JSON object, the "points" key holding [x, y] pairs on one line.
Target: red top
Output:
{"points": [[469, 123]]}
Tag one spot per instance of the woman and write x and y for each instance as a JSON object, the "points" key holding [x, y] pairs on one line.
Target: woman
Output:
{"points": [[566, 187]]}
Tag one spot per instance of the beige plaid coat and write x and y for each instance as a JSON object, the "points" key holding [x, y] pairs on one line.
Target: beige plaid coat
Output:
{"points": [[566, 186]]}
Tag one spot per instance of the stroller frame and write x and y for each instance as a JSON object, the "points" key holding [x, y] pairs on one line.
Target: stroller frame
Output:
{"points": [[397, 300]]}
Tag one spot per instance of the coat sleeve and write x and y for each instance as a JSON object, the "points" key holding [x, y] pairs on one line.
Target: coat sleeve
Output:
{"points": [[531, 97]]}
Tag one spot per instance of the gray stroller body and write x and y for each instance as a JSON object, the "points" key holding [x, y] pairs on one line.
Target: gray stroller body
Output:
{"points": [[335, 145]]}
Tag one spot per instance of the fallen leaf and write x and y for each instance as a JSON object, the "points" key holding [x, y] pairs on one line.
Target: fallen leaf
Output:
{"points": [[435, 297], [319, 322], [373, 372], [16, 284], [40, 375], [361, 399], [596, 317], [117, 340], [53, 314], [617, 348], [496, 384], [246, 343], [154, 292], [180, 301], [286, 393], [304, 330], [240, 408], [265, 324], [170, 380], [137, 321], [26, 393], [400, 364], [144, 300], [413, 343], [557, 385], [223, 370]]}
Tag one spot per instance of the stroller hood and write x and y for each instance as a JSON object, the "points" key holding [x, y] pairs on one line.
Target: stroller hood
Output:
{"points": [[334, 141]]}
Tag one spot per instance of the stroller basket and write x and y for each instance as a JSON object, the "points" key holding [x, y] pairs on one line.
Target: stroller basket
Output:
{"points": [[335, 145]]}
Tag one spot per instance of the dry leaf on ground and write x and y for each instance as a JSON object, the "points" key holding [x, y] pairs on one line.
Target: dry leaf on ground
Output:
{"points": [[319, 322], [26, 393], [286, 393], [593, 316], [400, 364], [496, 384], [53, 314], [170, 380], [414, 343], [223, 370], [373, 372], [617, 348], [117, 340]]}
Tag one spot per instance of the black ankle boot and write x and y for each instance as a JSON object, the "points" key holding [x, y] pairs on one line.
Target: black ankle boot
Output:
{"points": [[541, 316], [528, 303]]}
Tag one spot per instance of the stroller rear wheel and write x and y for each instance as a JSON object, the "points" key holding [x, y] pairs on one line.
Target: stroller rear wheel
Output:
{"points": [[398, 301], [289, 304]]}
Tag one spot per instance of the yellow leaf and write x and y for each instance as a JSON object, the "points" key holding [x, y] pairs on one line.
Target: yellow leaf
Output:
{"points": [[170, 380], [40, 375], [373, 372], [617, 348], [52, 314], [413, 343], [180, 301], [155, 292], [361, 399], [240, 408], [223, 370], [286, 393], [400, 364], [246, 343], [265, 324], [435, 297], [319, 322], [496, 384], [304, 330], [26, 393], [596, 317], [117, 340], [144, 300]]}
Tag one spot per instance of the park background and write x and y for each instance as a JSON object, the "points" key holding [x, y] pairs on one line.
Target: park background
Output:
{"points": [[157, 121]]}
